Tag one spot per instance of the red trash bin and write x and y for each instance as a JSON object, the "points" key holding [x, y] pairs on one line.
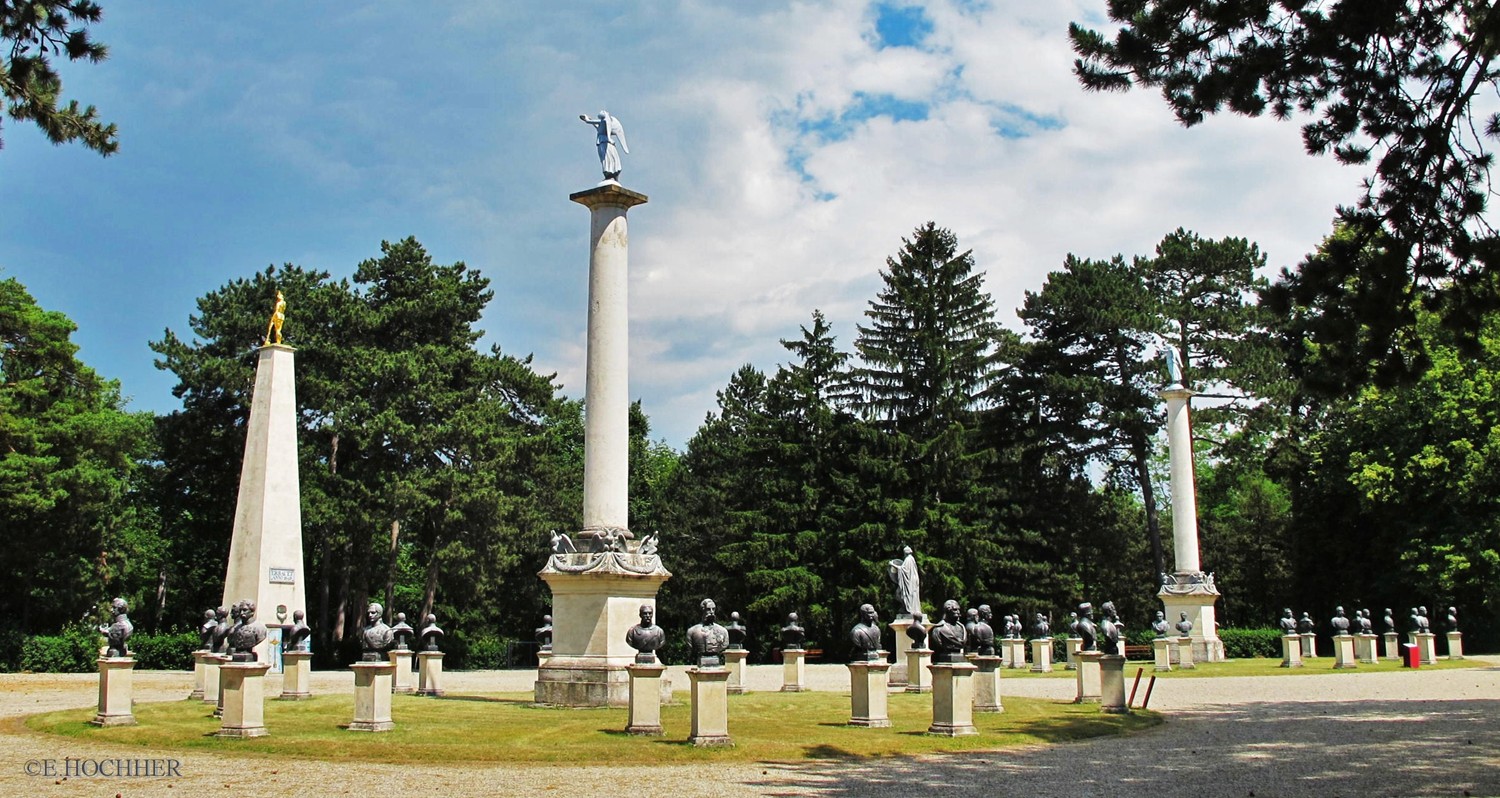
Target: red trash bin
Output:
{"points": [[1411, 656]]}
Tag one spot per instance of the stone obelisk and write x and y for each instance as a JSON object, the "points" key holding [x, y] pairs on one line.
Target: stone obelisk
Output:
{"points": [[599, 582], [1188, 589], [265, 553]]}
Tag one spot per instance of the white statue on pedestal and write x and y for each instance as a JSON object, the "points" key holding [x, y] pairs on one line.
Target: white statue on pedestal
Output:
{"points": [[609, 130]]}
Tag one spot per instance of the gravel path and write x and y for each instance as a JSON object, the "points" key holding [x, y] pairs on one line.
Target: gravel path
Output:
{"points": [[1355, 734]]}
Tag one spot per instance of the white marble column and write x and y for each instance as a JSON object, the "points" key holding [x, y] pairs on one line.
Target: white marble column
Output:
{"points": [[606, 439], [1184, 498]]}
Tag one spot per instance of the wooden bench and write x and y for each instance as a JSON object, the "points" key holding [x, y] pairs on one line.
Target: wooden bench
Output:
{"points": [[1139, 652]]}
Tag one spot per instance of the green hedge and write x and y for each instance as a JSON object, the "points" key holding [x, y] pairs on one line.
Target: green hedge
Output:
{"points": [[1247, 643], [168, 651], [73, 651]]}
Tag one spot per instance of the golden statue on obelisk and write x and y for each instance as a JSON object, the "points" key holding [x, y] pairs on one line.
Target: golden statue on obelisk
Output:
{"points": [[278, 316]]}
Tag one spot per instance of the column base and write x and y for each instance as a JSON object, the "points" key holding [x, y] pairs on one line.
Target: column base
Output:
{"points": [[952, 700]]}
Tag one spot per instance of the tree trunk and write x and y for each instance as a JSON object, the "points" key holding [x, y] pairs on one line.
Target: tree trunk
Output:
{"points": [[429, 591], [390, 567], [1148, 501], [325, 630], [342, 615], [161, 597]]}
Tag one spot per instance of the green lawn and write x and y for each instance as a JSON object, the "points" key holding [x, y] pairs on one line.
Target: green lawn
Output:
{"points": [[508, 728], [1245, 667]]}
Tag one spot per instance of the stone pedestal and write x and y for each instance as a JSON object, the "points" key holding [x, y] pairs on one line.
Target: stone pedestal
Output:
{"points": [[1041, 655], [1112, 684], [1309, 645], [901, 667], [596, 598], [1088, 678], [211, 663], [987, 685], [1392, 646], [1367, 649], [1197, 599], [1427, 645], [296, 675], [1002, 647], [793, 670], [265, 549], [710, 706], [867, 694], [645, 699], [1455, 645], [952, 699], [1187, 653], [1343, 652], [430, 673], [734, 660], [1074, 645], [244, 699], [1291, 651], [200, 672], [116, 689], [403, 680], [919, 679], [1015, 652], [1161, 649], [372, 696]]}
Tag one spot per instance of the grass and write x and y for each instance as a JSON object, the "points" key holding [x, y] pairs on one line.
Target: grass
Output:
{"points": [[508, 728]]}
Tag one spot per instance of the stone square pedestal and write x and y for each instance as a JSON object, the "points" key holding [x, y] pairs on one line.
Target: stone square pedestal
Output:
{"points": [[1161, 649], [430, 673], [116, 692], [793, 670], [1186, 654], [867, 694], [200, 673], [709, 690], [296, 675], [1367, 649], [645, 699], [1343, 652], [952, 699], [372, 696], [919, 679], [1455, 645], [1393, 646], [1291, 651], [1112, 684], [1074, 645], [211, 663], [734, 660], [901, 668], [1309, 645], [1087, 676], [244, 689], [987, 685], [1427, 644], [403, 680], [1015, 648], [1041, 655]]}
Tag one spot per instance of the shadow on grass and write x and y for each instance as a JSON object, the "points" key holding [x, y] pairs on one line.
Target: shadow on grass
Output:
{"points": [[486, 699]]}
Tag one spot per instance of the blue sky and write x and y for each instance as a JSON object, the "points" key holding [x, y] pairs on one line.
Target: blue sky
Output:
{"points": [[786, 148]]}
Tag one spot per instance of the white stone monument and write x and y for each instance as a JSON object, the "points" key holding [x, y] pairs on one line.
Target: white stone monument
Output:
{"points": [[265, 552], [987, 684], [1074, 645], [1112, 684], [296, 675], [1161, 649], [244, 699], [1291, 651], [200, 673], [211, 682], [709, 696], [1087, 678], [1392, 646], [403, 678], [952, 699], [734, 660], [644, 718], [1041, 655], [1455, 645], [1309, 645], [430, 673], [1427, 644], [116, 692], [1343, 652], [793, 670], [372, 696], [1015, 652], [919, 678], [868, 694], [1186, 653], [1188, 589], [599, 583], [1367, 648]]}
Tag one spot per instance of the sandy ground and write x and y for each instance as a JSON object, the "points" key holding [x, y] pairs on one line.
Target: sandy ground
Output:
{"points": [[1355, 734]]}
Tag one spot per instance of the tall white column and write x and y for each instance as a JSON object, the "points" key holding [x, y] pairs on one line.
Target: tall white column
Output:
{"points": [[265, 552], [606, 433], [1184, 500]]}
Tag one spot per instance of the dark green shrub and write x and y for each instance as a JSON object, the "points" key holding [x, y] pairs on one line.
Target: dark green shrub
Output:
{"points": [[11, 641], [74, 651], [1247, 643], [168, 651]]}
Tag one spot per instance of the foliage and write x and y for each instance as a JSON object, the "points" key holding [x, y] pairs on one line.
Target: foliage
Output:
{"points": [[1397, 84], [68, 475], [166, 651], [1242, 643], [34, 31], [75, 650]]}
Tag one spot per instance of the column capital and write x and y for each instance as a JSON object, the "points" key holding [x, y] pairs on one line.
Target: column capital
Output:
{"points": [[1177, 392], [607, 195]]}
